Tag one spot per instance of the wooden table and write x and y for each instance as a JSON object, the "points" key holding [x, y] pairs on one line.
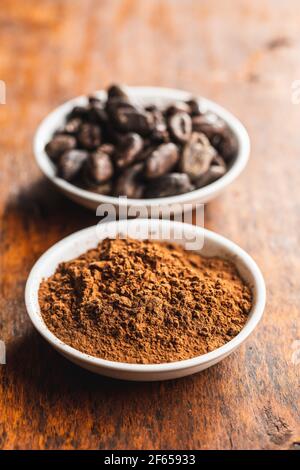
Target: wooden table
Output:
{"points": [[243, 54]]}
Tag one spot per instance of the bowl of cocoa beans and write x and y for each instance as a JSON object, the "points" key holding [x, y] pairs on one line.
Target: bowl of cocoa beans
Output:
{"points": [[141, 147]]}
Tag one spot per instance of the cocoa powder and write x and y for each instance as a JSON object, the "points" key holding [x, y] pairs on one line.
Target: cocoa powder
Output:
{"points": [[144, 302]]}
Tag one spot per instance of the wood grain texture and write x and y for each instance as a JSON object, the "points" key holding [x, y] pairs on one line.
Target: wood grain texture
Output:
{"points": [[243, 54]]}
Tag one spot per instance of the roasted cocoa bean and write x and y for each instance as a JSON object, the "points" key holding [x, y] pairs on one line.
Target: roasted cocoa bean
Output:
{"points": [[161, 160], [80, 112], [218, 133], [171, 184], [132, 120], [72, 126], [99, 167], [214, 172], [89, 136], [228, 145], [130, 183], [116, 91], [209, 122], [59, 144], [160, 132], [180, 126], [128, 149], [146, 151], [98, 114], [117, 99], [194, 107], [179, 106], [197, 156], [111, 134], [70, 164], [116, 105]]}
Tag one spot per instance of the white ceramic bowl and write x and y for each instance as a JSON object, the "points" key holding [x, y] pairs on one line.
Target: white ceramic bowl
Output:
{"points": [[79, 242], [144, 95]]}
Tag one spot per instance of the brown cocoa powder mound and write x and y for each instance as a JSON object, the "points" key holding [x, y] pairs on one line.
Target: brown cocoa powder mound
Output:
{"points": [[144, 302]]}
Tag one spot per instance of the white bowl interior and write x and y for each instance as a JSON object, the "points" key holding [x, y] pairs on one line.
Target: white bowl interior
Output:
{"points": [[143, 95], [78, 243]]}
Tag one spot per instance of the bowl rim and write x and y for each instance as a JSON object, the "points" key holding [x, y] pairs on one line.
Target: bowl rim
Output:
{"points": [[213, 356], [207, 191]]}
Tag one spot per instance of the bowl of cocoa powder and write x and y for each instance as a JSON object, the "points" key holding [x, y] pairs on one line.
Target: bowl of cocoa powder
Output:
{"points": [[141, 146], [144, 300]]}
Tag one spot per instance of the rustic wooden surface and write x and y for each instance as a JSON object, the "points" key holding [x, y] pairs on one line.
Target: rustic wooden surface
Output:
{"points": [[243, 54]]}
